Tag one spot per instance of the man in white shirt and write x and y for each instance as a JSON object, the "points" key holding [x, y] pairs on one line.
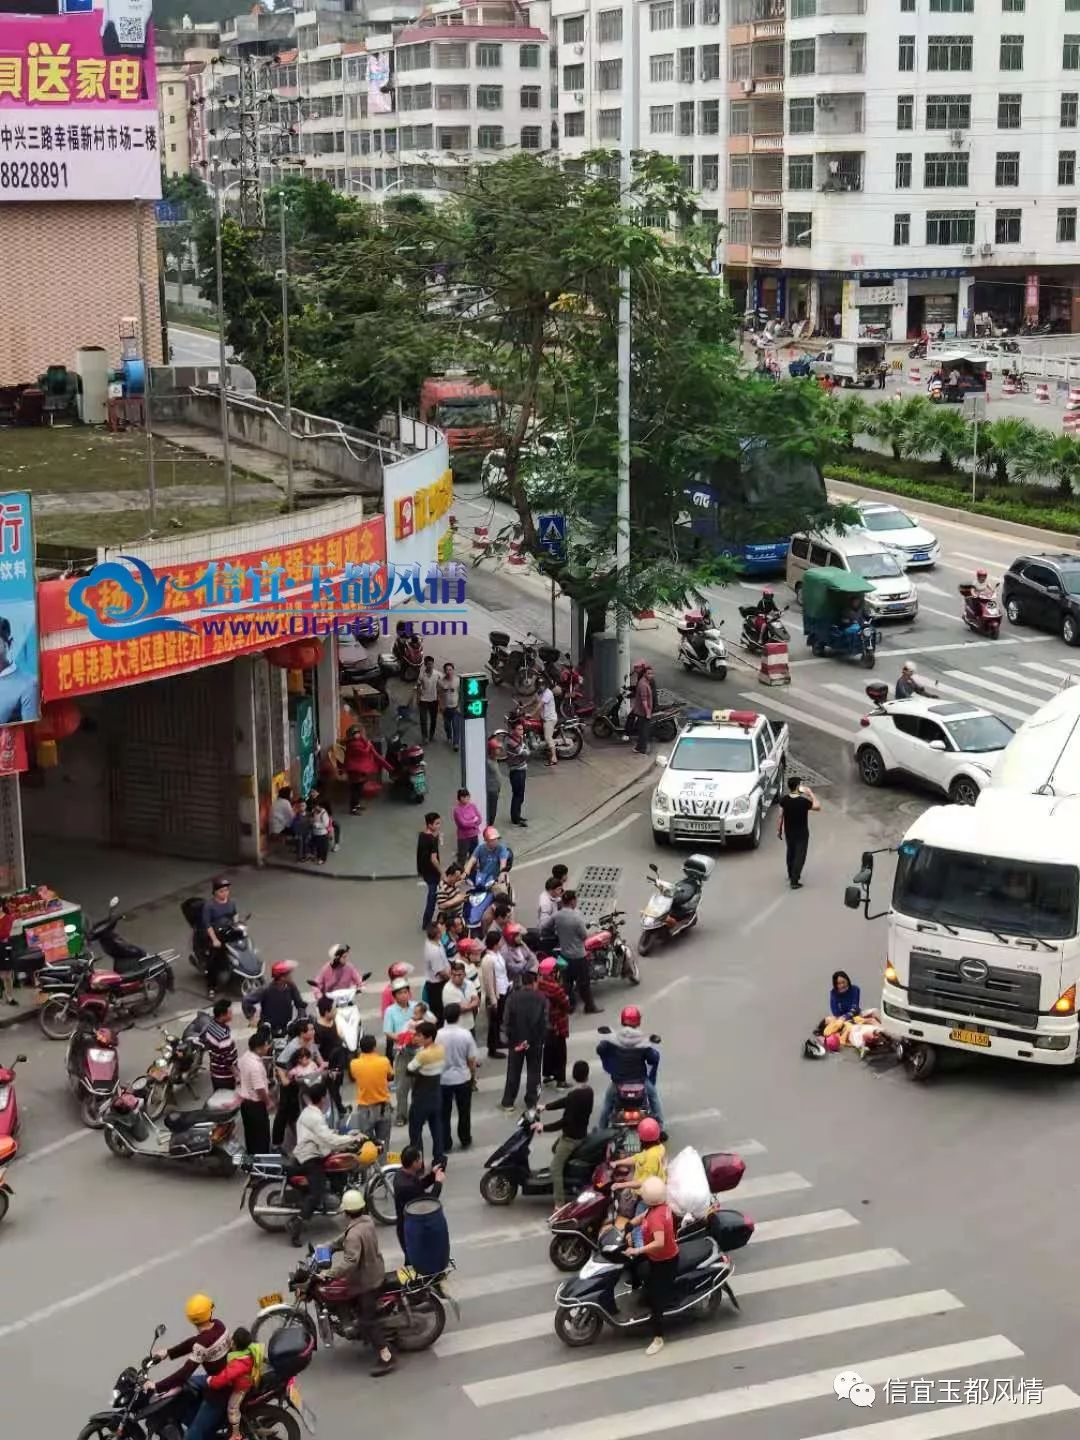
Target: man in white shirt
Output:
{"points": [[550, 716], [282, 813], [315, 1140], [253, 1089], [548, 905], [457, 1077], [461, 992], [436, 968]]}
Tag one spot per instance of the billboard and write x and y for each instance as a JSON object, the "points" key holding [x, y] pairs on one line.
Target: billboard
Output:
{"points": [[78, 101], [20, 690], [380, 101]]}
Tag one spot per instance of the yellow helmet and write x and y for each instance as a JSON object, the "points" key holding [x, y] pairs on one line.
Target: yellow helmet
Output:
{"points": [[369, 1152], [199, 1309]]}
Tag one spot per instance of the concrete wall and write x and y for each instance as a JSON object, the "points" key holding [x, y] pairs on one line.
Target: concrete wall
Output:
{"points": [[68, 273]]}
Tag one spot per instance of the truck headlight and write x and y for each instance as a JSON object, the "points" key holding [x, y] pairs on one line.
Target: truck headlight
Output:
{"points": [[741, 806], [661, 803]]}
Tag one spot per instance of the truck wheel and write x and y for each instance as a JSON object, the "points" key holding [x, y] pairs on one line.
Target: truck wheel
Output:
{"points": [[920, 1061]]}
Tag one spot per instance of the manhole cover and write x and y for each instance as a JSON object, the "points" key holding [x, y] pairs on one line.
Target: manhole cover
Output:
{"points": [[599, 875]]}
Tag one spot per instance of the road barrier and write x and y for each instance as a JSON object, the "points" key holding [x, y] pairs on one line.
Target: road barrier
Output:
{"points": [[1042, 393], [914, 375], [774, 665], [1071, 421]]}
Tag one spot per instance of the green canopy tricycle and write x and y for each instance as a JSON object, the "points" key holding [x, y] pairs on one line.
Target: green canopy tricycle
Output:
{"points": [[834, 616]]}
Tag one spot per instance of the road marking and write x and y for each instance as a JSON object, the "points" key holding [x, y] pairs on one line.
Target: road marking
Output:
{"points": [[750, 1399], [781, 1183], [977, 560], [939, 649], [929, 610], [62, 1144], [70, 1302], [1012, 675], [711, 1346], [1060, 675], [963, 1419], [816, 1222], [930, 589], [974, 699], [557, 855], [669, 988], [766, 914], [791, 713], [812, 697], [995, 688], [860, 695], [761, 1282]]}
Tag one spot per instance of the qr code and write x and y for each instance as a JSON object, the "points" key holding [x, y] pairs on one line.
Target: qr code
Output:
{"points": [[130, 30]]}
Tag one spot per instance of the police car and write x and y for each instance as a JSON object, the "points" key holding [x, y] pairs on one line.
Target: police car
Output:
{"points": [[725, 771]]}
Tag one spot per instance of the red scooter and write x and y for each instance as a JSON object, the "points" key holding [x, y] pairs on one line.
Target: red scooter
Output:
{"points": [[567, 735], [572, 702], [981, 613], [9, 1108], [93, 1066]]}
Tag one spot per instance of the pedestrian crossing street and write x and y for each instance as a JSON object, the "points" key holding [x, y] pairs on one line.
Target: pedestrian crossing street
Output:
{"points": [[1005, 681], [817, 1299]]}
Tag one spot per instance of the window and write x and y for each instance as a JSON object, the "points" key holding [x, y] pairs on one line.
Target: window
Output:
{"points": [[686, 66], [414, 97], [738, 231], [609, 124], [609, 27], [903, 170], [803, 9], [710, 62], [738, 118], [573, 77], [573, 30], [1015, 7], [906, 57], [948, 52], [489, 57], [1066, 167], [907, 6], [530, 137], [452, 97], [661, 68], [574, 122], [1007, 227], [1070, 104], [709, 117], [800, 227], [945, 170], [801, 116], [1007, 168], [950, 227], [1009, 112], [454, 56], [901, 230], [739, 172], [1012, 52], [489, 137], [489, 97], [609, 75], [801, 57], [686, 171], [661, 120], [414, 57], [529, 57], [739, 62], [686, 117], [948, 112], [529, 98], [1066, 226], [710, 173], [686, 13], [951, 7], [710, 12], [662, 15], [905, 112], [800, 172]]}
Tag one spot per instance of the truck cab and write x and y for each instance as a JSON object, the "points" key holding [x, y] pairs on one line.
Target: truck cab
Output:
{"points": [[466, 411]]}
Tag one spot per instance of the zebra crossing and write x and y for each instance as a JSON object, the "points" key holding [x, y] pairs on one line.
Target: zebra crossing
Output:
{"points": [[1013, 690], [817, 1298]]}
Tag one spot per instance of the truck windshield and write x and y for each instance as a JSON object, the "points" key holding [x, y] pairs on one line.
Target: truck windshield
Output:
{"points": [[466, 410], [985, 892], [701, 753]]}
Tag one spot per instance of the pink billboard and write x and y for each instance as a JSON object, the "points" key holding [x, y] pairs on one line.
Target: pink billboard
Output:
{"points": [[78, 101]]}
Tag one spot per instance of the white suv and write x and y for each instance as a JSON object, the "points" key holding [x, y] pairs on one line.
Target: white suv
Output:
{"points": [[724, 772], [946, 745]]}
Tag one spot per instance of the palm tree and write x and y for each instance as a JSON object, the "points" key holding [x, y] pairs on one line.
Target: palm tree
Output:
{"points": [[1008, 448], [851, 415], [1057, 456], [897, 424], [948, 433]]}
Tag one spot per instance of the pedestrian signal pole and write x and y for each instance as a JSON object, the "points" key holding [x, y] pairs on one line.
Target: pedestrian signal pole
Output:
{"points": [[474, 709]]}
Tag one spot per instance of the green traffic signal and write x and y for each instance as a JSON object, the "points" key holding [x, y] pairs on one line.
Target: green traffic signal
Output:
{"points": [[475, 687]]}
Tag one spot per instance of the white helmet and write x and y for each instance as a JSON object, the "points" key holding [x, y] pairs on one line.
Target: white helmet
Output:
{"points": [[337, 952], [353, 1202], [908, 667], [653, 1191]]}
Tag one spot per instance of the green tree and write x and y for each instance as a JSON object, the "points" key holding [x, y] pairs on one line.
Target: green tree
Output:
{"points": [[949, 433], [1008, 449], [851, 415], [1055, 456], [904, 425]]}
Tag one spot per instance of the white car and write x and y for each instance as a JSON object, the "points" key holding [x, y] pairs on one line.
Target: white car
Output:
{"points": [[914, 544], [947, 745], [724, 772]]}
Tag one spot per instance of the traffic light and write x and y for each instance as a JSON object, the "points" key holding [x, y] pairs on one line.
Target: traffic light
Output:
{"points": [[476, 704]]}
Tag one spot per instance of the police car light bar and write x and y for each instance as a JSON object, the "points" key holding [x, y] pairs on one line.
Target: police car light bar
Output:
{"points": [[746, 718]]}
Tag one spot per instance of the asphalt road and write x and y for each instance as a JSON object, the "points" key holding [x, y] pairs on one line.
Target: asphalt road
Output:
{"points": [[193, 347]]}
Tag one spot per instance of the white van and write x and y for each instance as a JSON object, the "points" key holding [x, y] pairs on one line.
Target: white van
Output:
{"points": [[893, 595]]}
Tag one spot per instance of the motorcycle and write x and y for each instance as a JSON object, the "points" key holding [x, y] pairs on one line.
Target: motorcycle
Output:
{"points": [[499, 660], [408, 655], [612, 716], [578, 1227], [410, 1307], [275, 1187], [138, 1413], [570, 695], [508, 1170], [7, 1152], [674, 906], [523, 664], [347, 1019], [9, 1106], [204, 1138], [175, 1066], [981, 613], [609, 956], [700, 645], [917, 351], [92, 1064], [408, 770], [479, 900], [237, 959], [567, 735], [756, 636], [595, 1298]]}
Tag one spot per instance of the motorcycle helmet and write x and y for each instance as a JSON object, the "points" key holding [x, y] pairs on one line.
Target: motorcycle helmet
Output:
{"points": [[281, 968], [648, 1131], [513, 932], [199, 1309], [337, 952], [832, 1042], [653, 1191], [630, 1017], [469, 945], [548, 966], [491, 833], [353, 1202], [493, 746], [766, 590], [397, 986], [368, 1153], [980, 574], [399, 970]]}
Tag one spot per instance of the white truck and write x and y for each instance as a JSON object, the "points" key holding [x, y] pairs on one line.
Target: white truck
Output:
{"points": [[851, 362], [983, 945]]}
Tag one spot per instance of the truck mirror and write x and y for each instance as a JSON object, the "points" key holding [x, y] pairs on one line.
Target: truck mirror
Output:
{"points": [[852, 897]]}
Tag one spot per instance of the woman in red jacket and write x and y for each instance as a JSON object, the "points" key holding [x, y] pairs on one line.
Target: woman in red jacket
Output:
{"points": [[554, 1066], [362, 761]]}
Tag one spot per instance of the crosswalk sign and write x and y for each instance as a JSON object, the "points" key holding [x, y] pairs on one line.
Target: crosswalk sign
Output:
{"points": [[551, 531]]}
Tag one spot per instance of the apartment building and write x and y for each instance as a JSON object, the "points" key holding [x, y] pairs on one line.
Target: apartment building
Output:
{"points": [[180, 55]]}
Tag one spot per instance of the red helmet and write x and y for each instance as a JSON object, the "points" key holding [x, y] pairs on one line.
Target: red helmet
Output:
{"points": [[631, 1016], [281, 968], [399, 970], [766, 590], [980, 574], [648, 1131], [493, 746]]}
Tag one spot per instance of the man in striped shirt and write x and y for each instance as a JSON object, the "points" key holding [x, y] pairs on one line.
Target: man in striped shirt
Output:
{"points": [[221, 1047]]}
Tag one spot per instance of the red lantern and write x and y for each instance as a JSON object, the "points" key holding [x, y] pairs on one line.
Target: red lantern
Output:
{"points": [[306, 655], [58, 721], [283, 656]]}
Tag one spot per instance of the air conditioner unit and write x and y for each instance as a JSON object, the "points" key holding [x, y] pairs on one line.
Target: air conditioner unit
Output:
{"points": [[986, 248], [579, 49], [956, 137], [748, 87], [968, 251], [579, 97]]}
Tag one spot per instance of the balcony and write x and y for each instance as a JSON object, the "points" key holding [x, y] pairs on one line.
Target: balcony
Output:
{"points": [[767, 61], [841, 55], [768, 29], [839, 173], [766, 254], [765, 199], [759, 143]]}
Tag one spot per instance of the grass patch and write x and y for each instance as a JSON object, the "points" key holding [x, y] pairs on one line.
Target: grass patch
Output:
{"points": [[116, 527], [191, 316], [68, 459]]}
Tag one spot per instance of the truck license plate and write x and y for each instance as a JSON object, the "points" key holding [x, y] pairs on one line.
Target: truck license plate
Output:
{"points": [[970, 1037]]}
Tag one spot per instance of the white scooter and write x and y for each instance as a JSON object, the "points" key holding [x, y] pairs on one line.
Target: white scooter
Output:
{"points": [[674, 907], [347, 1019], [700, 645]]}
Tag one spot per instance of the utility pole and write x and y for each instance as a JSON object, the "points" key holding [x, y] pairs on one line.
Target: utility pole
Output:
{"points": [[287, 383], [629, 121], [147, 359], [223, 371]]}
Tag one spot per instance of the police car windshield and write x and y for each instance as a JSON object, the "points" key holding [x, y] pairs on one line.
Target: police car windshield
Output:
{"points": [[707, 752]]}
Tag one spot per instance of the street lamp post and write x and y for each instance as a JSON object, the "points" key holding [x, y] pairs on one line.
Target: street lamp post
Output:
{"points": [[629, 123], [148, 362], [286, 379], [223, 372]]}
